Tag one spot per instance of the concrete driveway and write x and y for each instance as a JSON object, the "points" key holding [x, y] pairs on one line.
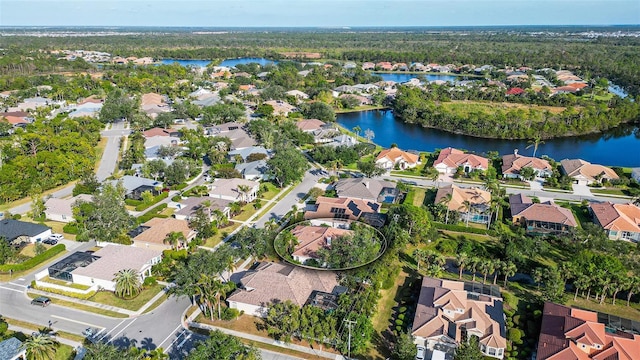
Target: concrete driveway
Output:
{"points": [[582, 190]]}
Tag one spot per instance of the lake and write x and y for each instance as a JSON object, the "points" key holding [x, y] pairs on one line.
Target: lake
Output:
{"points": [[227, 62], [616, 147], [404, 77]]}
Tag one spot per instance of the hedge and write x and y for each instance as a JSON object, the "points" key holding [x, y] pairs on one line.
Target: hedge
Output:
{"points": [[152, 213], [464, 229], [34, 261], [163, 195]]}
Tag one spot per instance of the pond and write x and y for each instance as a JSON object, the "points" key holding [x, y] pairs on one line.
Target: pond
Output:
{"points": [[616, 147], [404, 77], [227, 62]]}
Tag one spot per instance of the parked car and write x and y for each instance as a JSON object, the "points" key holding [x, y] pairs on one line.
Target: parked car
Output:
{"points": [[50, 241], [56, 237], [420, 354], [41, 300]]}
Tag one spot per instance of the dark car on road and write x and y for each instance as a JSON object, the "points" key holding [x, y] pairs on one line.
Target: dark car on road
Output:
{"points": [[41, 300]]}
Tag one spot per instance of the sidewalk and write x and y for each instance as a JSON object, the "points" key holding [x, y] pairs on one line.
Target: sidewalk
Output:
{"points": [[73, 344], [265, 340]]}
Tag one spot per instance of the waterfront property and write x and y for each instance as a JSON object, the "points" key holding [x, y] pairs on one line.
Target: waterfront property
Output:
{"points": [[472, 203], [272, 282], [367, 189], [513, 163], [541, 218], [448, 312], [585, 173], [395, 158], [450, 159], [620, 221]]}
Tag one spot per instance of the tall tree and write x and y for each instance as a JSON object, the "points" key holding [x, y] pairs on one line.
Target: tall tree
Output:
{"points": [[40, 347], [287, 165], [222, 346], [106, 217]]}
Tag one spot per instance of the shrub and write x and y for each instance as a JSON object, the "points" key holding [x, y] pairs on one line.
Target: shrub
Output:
{"points": [[230, 314], [447, 246], [34, 261], [142, 206], [515, 336], [399, 322], [176, 198], [149, 281], [459, 228], [71, 228], [401, 317], [132, 202], [516, 319], [3, 327], [402, 310], [66, 293], [537, 314]]}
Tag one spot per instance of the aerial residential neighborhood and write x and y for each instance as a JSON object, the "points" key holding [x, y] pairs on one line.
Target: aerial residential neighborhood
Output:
{"points": [[300, 205]]}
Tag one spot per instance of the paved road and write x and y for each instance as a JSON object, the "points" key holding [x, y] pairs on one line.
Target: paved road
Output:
{"points": [[111, 151]]}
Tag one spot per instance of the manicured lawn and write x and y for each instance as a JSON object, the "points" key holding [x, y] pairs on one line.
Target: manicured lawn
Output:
{"points": [[619, 309], [64, 352], [246, 212], [109, 298], [580, 212], [271, 192], [609, 191], [157, 303], [35, 327], [222, 233], [64, 283], [386, 303], [416, 196]]}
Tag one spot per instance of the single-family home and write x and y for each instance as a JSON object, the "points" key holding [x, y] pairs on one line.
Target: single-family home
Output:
{"points": [[620, 221], [513, 163], [384, 66], [472, 203], [105, 263], [448, 312], [586, 173], [635, 174], [33, 104], [345, 89], [450, 159], [12, 349], [361, 100], [569, 333], [541, 218], [234, 190], [342, 140], [18, 232], [160, 132], [188, 207], [272, 282], [313, 238], [390, 159], [368, 66], [280, 107], [152, 234], [255, 170], [341, 208], [136, 185], [299, 95], [310, 125], [245, 152], [372, 190], [153, 104], [62, 209]]}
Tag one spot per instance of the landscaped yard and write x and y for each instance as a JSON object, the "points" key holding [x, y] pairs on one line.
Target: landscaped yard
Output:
{"points": [[619, 309], [246, 212], [109, 298], [610, 191], [64, 283], [222, 233], [416, 196], [271, 191], [83, 307]]}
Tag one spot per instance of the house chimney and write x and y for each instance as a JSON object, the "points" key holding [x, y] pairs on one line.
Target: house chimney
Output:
{"points": [[515, 152]]}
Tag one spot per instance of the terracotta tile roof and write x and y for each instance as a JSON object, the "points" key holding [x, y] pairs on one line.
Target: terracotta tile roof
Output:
{"points": [[512, 163], [313, 238], [395, 154], [480, 312], [14, 120], [577, 167], [309, 124], [151, 99], [353, 208], [282, 282], [617, 217], [159, 228], [156, 131], [454, 158], [521, 205], [475, 196]]}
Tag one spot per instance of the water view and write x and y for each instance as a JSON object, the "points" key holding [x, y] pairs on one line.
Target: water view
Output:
{"points": [[193, 63], [404, 77], [616, 147]]}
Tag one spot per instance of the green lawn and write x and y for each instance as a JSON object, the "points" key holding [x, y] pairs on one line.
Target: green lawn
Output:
{"points": [[416, 196], [246, 212], [619, 309], [64, 283], [579, 211], [271, 192], [109, 298], [222, 233], [619, 192], [88, 308], [64, 352]]}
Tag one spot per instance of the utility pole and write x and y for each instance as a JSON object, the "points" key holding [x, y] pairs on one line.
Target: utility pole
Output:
{"points": [[349, 323]]}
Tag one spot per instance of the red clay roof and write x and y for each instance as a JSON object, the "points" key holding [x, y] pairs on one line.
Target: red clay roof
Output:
{"points": [[454, 158]]}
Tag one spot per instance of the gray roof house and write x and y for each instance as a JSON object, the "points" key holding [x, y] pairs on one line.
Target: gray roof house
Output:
{"points": [[245, 152], [188, 206], [11, 349], [342, 140], [16, 231], [136, 185], [255, 170], [367, 189]]}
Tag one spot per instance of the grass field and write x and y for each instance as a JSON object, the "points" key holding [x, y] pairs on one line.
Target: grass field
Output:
{"points": [[78, 306], [109, 298], [491, 107]]}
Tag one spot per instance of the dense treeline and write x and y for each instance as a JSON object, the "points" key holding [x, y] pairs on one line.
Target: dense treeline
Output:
{"points": [[504, 48], [31, 160], [487, 119]]}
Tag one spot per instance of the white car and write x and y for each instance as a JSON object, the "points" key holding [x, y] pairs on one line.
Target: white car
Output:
{"points": [[56, 237], [420, 354]]}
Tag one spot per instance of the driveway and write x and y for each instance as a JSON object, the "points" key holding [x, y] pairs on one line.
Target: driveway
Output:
{"points": [[582, 190]]}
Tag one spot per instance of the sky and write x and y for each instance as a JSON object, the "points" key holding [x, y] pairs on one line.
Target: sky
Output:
{"points": [[317, 13]]}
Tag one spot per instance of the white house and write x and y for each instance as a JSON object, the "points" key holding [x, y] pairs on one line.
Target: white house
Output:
{"points": [[390, 158], [62, 209], [230, 189]]}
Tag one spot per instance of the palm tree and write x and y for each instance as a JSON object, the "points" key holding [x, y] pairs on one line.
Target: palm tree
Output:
{"points": [[580, 283], [535, 142], [356, 129], [420, 255], [445, 201], [486, 267], [474, 264], [244, 192], [219, 218], [466, 207], [497, 266], [204, 291], [235, 207], [369, 135], [462, 259], [624, 283], [127, 283], [508, 269], [635, 288], [174, 238], [40, 347]]}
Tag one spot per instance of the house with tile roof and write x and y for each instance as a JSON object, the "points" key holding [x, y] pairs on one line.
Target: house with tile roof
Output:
{"points": [[620, 221], [568, 333], [299, 95], [472, 203], [341, 208], [313, 238], [230, 189], [513, 163], [152, 233], [273, 282], [62, 209], [450, 159], [310, 125], [541, 218], [374, 190], [390, 159], [110, 260], [188, 207], [586, 173], [281, 107], [448, 312]]}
